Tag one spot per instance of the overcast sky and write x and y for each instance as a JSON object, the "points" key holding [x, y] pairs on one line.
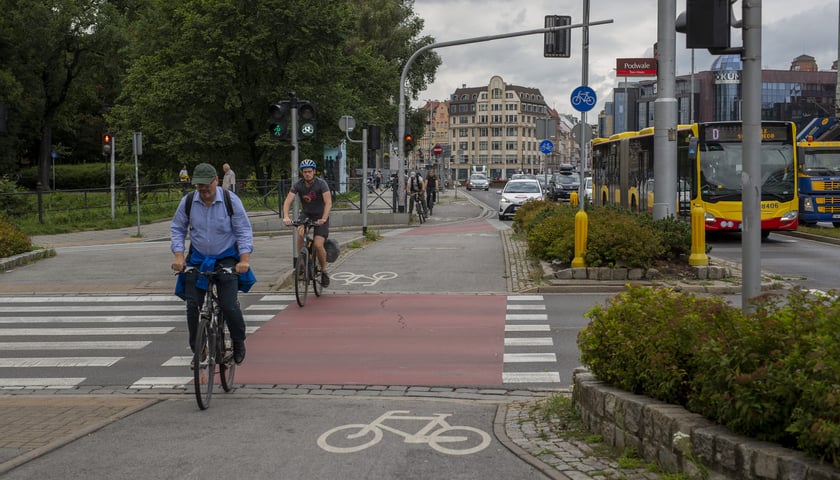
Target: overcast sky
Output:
{"points": [[789, 29]]}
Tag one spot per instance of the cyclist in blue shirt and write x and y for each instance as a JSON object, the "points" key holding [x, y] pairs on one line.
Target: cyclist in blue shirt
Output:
{"points": [[316, 203], [219, 238]]}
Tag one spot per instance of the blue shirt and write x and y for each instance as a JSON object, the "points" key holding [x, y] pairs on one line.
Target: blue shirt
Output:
{"points": [[213, 230]]}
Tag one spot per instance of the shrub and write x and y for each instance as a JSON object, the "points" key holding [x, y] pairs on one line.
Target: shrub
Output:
{"points": [[12, 240], [617, 238], [772, 374], [12, 198]]}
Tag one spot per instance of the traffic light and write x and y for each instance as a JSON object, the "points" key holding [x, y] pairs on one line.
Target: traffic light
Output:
{"points": [[278, 121], [706, 24], [307, 121], [559, 42], [374, 137], [408, 139], [107, 144]]}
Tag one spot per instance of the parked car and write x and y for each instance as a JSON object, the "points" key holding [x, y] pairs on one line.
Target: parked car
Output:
{"points": [[587, 189], [516, 193], [478, 181], [561, 185]]}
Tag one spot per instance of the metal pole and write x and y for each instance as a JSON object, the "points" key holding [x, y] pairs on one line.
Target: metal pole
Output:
{"points": [[365, 154], [665, 115], [584, 80], [751, 174], [294, 168], [136, 179], [113, 178], [691, 100]]}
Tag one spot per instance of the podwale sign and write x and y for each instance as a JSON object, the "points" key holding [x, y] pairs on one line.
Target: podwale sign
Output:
{"points": [[635, 67]]}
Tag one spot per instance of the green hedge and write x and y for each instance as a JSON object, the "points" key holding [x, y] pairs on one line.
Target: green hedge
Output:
{"points": [[772, 374], [616, 237], [12, 240], [72, 177]]}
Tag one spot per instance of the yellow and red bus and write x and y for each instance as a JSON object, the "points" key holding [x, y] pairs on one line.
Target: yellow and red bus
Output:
{"points": [[709, 166]]}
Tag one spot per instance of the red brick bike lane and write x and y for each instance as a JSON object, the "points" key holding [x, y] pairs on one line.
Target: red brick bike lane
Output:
{"points": [[384, 339]]}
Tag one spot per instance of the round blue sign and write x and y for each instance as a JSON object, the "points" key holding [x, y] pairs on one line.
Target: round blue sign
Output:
{"points": [[583, 98], [546, 146]]}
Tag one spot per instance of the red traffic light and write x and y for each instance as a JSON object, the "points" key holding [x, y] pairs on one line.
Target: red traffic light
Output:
{"points": [[106, 138], [409, 138]]}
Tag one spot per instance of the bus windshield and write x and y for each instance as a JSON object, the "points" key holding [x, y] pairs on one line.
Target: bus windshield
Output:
{"points": [[721, 165]]}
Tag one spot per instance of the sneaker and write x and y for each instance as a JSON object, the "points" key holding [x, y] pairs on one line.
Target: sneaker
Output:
{"points": [[325, 280], [238, 351]]}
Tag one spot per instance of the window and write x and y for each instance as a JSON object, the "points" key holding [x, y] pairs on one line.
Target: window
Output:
{"points": [[482, 145], [497, 131], [511, 131], [510, 145], [496, 145], [463, 132], [482, 131]]}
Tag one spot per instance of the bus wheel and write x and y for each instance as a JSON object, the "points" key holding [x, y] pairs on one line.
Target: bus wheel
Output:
{"points": [[836, 224], [765, 234]]}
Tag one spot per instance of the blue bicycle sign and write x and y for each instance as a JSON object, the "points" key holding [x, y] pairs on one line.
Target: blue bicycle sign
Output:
{"points": [[583, 98]]}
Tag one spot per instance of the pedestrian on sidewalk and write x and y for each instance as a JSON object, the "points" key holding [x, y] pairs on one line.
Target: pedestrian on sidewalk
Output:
{"points": [[229, 180]]}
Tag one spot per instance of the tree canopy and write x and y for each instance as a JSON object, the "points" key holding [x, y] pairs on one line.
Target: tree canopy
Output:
{"points": [[196, 77]]}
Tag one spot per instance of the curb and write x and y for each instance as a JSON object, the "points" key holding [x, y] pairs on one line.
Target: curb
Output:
{"points": [[10, 263]]}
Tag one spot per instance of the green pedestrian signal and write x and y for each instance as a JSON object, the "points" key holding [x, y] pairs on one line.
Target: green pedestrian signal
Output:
{"points": [[279, 121]]}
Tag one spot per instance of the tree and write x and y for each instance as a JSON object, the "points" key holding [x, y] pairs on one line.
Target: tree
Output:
{"points": [[203, 73], [55, 49]]}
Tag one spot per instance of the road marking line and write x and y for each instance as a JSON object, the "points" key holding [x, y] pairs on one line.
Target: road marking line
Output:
{"points": [[181, 361], [531, 377], [529, 342], [89, 319], [92, 308], [529, 357], [162, 382], [261, 306], [525, 307], [58, 362], [49, 332], [73, 345], [95, 299], [524, 328], [525, 298], [277, 298], [526, 316], [21, 383]]}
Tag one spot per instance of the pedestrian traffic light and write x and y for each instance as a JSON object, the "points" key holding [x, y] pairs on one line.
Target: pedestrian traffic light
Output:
{"points": [[107, 144], [307, 121], [557, 43], [278, 121]]}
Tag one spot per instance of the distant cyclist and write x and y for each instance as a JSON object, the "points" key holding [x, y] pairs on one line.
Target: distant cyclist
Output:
{"points": [[316, 203], [220, 236]]}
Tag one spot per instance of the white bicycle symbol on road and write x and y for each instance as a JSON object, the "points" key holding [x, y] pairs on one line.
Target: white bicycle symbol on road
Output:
{"points": [[583, 96], [360, 279], [357, 436]]}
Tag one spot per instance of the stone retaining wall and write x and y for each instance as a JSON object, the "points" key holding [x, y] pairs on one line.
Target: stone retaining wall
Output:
{"points": [[685, 442], [609, 273]]}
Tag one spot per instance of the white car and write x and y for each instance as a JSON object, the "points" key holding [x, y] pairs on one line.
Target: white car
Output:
{"points": [[478, 181], [516, 193]]}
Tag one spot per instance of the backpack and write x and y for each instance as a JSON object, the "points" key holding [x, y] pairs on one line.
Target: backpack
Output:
{"points": [[191, 196]]}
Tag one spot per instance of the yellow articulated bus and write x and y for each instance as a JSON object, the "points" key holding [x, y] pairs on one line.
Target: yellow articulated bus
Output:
{"points": [[709, 166]]}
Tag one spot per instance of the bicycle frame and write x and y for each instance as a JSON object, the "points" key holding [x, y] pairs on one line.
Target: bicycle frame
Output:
{"points": [[306, 267], [437, 420]]}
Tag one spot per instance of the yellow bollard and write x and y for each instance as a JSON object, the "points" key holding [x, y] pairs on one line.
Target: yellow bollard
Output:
{"points": [[573, 199], [698, 237], [581, 232]]}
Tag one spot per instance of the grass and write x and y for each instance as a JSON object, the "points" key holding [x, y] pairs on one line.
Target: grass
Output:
{"points": [[823, 232]]}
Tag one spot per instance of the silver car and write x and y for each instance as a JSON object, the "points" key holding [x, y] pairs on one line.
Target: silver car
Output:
{"points": [[516, 193], [478, 181]]}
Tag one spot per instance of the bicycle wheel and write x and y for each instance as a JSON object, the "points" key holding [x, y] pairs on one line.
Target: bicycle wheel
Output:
{"points": [[227, 367], [302, 277], [315, 271], [204, 363], [421, 210]]}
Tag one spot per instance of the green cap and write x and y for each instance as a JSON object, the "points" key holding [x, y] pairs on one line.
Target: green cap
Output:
{"points": [[204, 173]]}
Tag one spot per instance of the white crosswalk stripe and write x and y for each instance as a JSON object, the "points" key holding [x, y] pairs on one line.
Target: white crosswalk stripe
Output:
{"points": [[34, 327], [527, 357]]}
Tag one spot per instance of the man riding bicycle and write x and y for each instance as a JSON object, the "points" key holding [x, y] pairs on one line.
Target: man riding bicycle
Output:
{"points": [[220, 237], [316, 203]]}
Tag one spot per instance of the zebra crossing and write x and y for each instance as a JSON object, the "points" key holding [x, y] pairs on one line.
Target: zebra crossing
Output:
{"points": [[529, 348], [126, 325]]}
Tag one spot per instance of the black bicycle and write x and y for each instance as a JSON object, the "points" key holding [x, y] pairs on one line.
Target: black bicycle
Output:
{"points": [[306, 267], [420, 205], [213, 346]]}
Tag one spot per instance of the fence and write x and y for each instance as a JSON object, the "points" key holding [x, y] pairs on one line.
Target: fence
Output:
{"points": [[260, 197]]}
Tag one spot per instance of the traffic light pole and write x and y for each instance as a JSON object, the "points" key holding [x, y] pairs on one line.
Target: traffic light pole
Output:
{"points": [[413, 57]]}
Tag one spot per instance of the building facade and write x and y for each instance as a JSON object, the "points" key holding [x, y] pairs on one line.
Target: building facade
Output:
{"points": [[495, 126], [797, 94]]}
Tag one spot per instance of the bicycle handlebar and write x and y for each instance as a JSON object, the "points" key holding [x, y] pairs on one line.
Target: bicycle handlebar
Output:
{"points": [[307, 222], [223, 270]]}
